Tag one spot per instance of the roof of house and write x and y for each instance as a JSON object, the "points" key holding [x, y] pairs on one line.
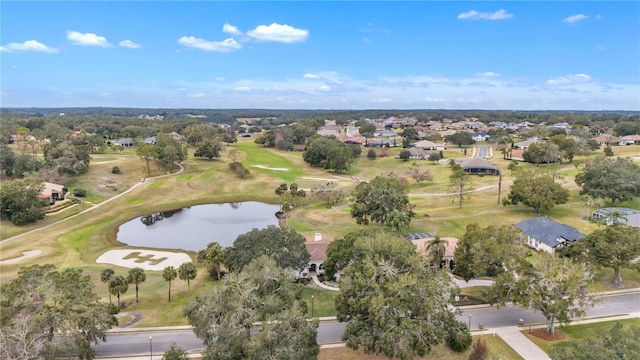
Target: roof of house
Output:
{"points": [[317, 250], [611, 210], [479, 164], [548, 231], [450, 245]]}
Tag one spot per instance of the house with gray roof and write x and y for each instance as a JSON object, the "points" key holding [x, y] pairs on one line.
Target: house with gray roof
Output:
{"points": [[622, 215], [545, 234]]}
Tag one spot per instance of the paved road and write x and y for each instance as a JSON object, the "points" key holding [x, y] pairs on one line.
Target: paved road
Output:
{"points": [[137, 343]]}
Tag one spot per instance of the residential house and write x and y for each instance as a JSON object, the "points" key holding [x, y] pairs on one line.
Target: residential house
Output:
{"points": [[481, 136], [523, 145], [480, 167], [429, 145], [622, 215], [52, 191], [545, 234], [421, 241], [150, 140], [124, 142]]}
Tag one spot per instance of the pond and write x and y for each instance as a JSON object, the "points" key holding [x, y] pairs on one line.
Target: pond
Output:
{"points": [[193, 228]]}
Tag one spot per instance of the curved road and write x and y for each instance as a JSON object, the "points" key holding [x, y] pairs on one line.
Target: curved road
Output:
{"points": [[137, 342]]}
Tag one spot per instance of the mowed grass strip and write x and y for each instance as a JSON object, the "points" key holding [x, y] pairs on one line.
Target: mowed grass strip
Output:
{"points": [[573, 333], [260, 159]]}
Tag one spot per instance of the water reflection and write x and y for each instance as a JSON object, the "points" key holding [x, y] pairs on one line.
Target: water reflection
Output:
{"points": [[151, 219], [192, 228]]}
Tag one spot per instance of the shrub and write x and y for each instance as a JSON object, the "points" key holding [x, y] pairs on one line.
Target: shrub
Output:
{"points": [[175, 353], [239, 169], [115, 170], [459, 337], [371, 154], [479, 351], [79, 192]]}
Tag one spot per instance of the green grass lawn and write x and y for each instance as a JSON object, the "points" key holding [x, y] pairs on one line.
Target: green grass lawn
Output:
{"points": [[78, 242], [577, 332]]}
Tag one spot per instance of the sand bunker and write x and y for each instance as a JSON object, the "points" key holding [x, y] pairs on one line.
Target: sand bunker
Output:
{"points": [[146, 259], [25, 255], [270, 168]]}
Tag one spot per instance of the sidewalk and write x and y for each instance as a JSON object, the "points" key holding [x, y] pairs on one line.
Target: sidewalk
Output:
{"points": [[521, 344]]}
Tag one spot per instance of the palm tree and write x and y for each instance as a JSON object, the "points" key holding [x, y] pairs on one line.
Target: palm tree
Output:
{"points": [[168, 274], [118, 285], [105, 276], [211, 257], [136, 276], [436, 249], [187, 271]]}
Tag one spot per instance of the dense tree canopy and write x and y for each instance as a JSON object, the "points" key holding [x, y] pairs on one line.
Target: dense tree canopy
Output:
{"points": [[616, 179], [286, 247], [392, 302], [460, 138], [329, 153], [537, 189], [209, 149], [20, 200], [382, 200], [487, 251], [542, 153], [48, 313], [225, 317]]}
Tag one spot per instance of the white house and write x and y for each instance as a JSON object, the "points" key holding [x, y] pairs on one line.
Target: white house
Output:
{"points": [[545, 234]]}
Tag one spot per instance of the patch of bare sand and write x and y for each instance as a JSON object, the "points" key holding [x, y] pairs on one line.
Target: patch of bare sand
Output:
{"points": [[270, 168], [25, 255]]}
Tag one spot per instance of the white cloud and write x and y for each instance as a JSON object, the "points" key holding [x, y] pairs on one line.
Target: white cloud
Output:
{"points": [[220, 78], [488, 74], [366, 39], [241, 88], [29, 45], [220, 46], [311, 76], [569, 79], [129, 44], [575, 18], [601, 48], [279, 33], [196, 95], [230, 29], [475, 15], [87, 39], [324, 88]]}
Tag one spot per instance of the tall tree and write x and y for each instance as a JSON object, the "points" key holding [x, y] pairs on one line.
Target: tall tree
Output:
{"points": [[460, 138], [212, 258], [460, 185], [136, 276], [169, 274], [392, 302], [615, 246], [147, 152], [20, 200], [118, 285], [536, 189], [187, 272], [225, 317], [419, 174], [105, 277], [286, 247], [616, 179], [555, 287], [436, 248], [47, 313], [542, 153], [209, 149], [382, 200], [488, 251]]}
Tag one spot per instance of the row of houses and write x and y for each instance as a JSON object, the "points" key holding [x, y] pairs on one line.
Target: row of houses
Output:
{"points": [[541, 234]]}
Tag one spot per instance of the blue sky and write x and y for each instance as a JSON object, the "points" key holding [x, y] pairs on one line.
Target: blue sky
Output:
{"points": [[491, 55]]}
